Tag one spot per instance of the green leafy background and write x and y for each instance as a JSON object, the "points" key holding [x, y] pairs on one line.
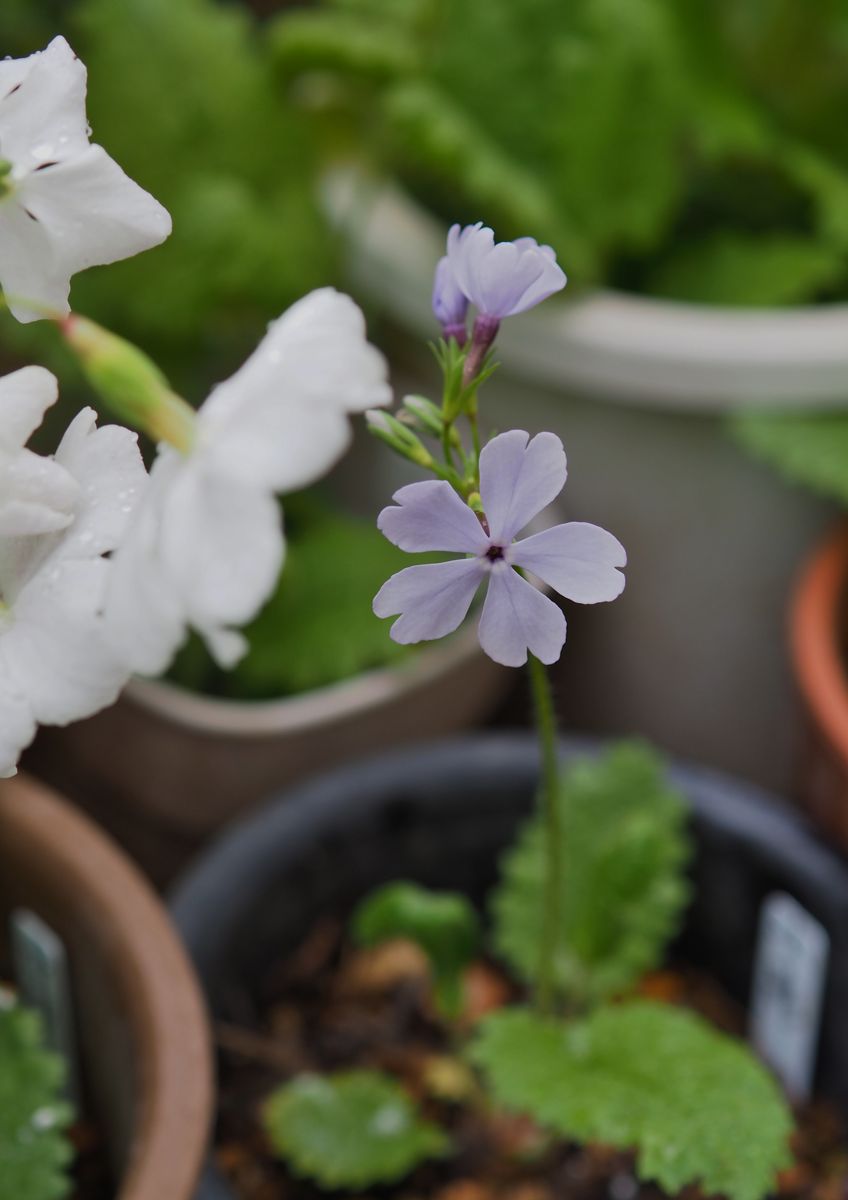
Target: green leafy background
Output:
{"points": [[34, 1152]]}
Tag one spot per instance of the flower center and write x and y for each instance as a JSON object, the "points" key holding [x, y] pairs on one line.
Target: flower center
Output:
{"points": [[495, 553]]}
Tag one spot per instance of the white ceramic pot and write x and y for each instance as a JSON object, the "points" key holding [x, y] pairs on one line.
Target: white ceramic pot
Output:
{"points": [[693, 655]]}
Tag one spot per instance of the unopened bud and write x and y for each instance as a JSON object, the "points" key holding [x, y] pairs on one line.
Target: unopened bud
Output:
{"points": [[399, 436], [427, 414], [130, 383]]}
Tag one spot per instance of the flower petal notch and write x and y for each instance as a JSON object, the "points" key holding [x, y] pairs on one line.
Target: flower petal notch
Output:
{"points": [[64, 204], [519, 477], [206, 548], [501, 279]]}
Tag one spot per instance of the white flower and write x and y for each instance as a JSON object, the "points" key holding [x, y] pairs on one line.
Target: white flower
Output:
{"points": [[64, 204], [36, 494], [55, 664], [206, 546]]}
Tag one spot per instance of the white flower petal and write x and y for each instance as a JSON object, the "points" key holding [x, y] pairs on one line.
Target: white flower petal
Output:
{"points": [[55, 651], [580, 561], [36, 495], [17, 724], [517, 618], [29, 270], [42, 109], [276, 422], [432, 598], [92, 212], [107, 464], [518, 480], [25, 396]]}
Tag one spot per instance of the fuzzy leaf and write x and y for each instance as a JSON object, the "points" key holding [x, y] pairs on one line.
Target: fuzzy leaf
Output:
{"points": [[695, 1104], [807, 448], [443, 924], [740, 269], [624, 849], [349, 1130], [34, 1151]]}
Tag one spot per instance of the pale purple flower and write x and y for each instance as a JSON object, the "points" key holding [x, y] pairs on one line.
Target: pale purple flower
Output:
{"points": [[504, 278], [518, 478], [450, 304]]}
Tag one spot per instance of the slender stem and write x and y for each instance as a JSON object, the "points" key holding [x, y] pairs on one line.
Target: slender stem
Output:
{"points": [[552, 884]]}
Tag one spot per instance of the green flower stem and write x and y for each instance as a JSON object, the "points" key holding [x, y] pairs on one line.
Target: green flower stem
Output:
{"points": [[546, 725]]}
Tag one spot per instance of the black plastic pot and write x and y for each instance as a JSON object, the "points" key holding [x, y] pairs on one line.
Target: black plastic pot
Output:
{"points": [[441, 815]]}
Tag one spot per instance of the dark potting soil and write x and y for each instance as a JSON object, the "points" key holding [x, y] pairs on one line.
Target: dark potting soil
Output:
{"points": [[331, 1006], [91, 1176]]}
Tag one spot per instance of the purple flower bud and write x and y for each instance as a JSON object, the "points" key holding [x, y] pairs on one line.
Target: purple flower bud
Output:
{"points": [[449, 303], [504, 278]]}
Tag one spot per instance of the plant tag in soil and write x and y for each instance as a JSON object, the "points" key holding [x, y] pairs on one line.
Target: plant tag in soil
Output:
{"points": [[790, 967], [40, 965]]}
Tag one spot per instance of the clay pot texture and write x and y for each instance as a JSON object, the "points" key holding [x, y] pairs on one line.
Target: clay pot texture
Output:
{"points": [[818, 629], [441, 815], [141, 1023]]}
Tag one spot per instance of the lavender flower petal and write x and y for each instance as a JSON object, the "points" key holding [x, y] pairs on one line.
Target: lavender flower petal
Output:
{"points": [[578, 560], [431, 516], [517, 618], [502, 279], [450, 304], [518, 480], [432, 598]]}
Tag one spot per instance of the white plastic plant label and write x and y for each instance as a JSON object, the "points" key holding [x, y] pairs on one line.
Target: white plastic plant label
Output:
{"points": [[790, 968]]}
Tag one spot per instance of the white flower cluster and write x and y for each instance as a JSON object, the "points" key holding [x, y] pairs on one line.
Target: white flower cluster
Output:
{"points": [[104, 568]]}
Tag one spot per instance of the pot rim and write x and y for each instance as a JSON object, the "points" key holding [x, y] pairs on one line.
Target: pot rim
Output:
{"points": [[164, 1008], [815, 644], [307, 710], [626, 348]]}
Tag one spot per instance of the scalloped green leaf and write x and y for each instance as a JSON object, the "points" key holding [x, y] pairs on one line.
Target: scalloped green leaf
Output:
{"points": [[625, 850], [34, 1151], [807, 448], [351, 1130], [694, 1103], [444, 924]]}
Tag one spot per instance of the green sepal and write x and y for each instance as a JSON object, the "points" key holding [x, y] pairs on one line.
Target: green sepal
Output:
{"points": [[349, 1130], [443, 924], [695, 1104]]}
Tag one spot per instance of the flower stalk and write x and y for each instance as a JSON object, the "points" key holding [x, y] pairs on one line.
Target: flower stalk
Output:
{"points": [[549, 800]]}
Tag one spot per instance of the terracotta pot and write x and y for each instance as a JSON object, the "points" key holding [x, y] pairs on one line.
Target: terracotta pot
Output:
{"points": [[639, 390], [143, 1038], [164, 769], [818, 628]]}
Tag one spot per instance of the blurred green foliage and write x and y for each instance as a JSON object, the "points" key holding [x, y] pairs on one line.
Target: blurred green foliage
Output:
{"points": [[691, 148], [181, 93]]}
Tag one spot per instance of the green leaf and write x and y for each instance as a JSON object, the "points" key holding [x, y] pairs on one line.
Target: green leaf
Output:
{"points": [[807, 448], [349, 1130], [695, 1104], [624, 850], [34, 1151], [443, 924], [748, 269]]}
